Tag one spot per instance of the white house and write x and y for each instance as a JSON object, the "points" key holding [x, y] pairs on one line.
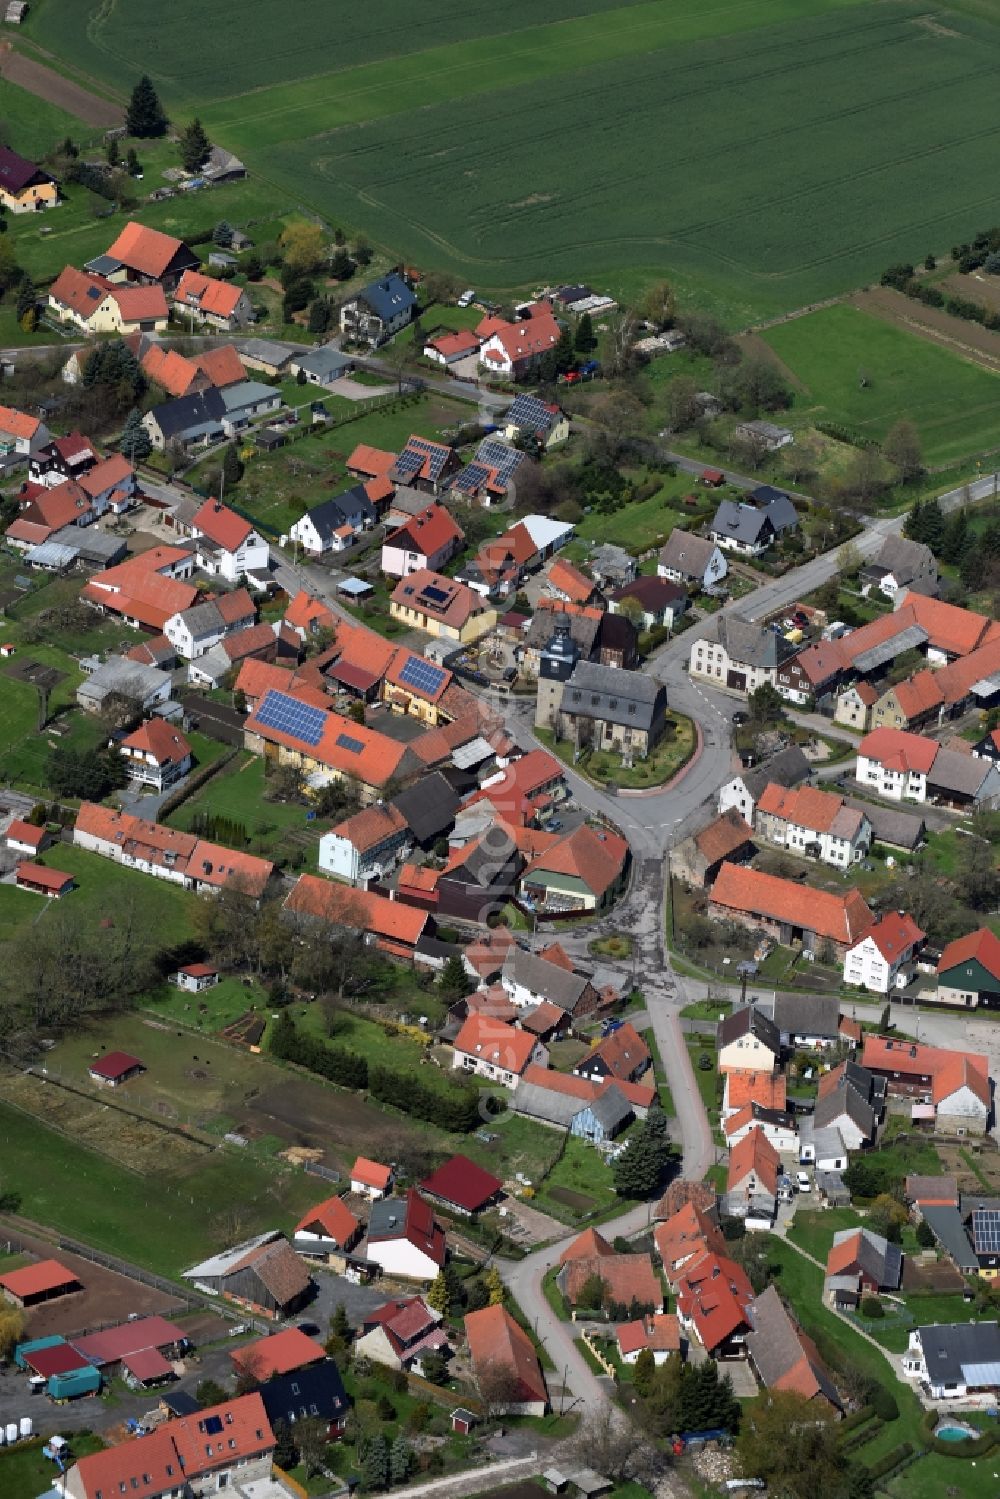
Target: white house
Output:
{"points": [[366, 846], [496, 1051], [20, 434], [156, 754], [748, 1041], [332, 525], [228, 544], [778, 1128], [883, 959], [743, 791], [194, 631], [956, 1360], [692, 560], [813, 824], [219, 304], [895, 764], [370, 1179], [404, 1238], [379, 311]]}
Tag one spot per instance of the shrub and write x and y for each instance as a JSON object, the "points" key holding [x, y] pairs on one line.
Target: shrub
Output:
{"points": [[884, 1403], [891, 1461], [925, 1235], [871, 1307]]}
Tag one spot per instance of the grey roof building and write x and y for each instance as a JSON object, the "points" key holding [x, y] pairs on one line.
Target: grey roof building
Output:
{"points": [[802, 1016], [545, 1105], [528, 971], [961, 1354], [963, 778], [350, 508], [611, 1111], [949, 1230], [688, 557], [902, 563], [132, 679], [905, 830], [611, 565], [428, 807], [323, 365], [628, 698], [750, 644], [776, 1346]]}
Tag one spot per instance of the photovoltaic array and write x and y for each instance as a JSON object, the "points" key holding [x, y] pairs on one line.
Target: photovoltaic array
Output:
{"points": [[289, 716]]}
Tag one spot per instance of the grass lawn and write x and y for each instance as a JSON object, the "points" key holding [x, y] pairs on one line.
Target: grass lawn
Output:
{"points": [[707, 1009], [933, 1476], [102, 888], [801, 1283], [275, 830], [643, 523], [276, 487], [606, 768], [213, 1009], [164, 1223], [813, 1231], [705, 1077], [25, 1473], [952, 402], [579, 1184]]}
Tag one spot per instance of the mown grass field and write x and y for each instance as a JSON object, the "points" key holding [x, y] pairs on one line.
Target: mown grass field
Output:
{"points": [[790, 148], [952, 402]]}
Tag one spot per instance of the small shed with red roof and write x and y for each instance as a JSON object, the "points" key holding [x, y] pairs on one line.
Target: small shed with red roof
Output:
{"points": [[43, 1281], [194, 977], [115, 1068], [462, 1186], [370, 1178], [43, 881], [24, 838]]}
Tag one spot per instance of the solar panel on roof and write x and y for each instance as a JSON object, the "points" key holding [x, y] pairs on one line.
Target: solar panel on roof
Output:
{"points": [[436, 595], [986, 1231], [346, 742], [422, 675], [409, 462], [498, 455], [289, 716], [213, 1425]]}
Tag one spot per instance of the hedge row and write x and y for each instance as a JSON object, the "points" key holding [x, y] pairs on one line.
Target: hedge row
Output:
{"points": [[893, 1459]]}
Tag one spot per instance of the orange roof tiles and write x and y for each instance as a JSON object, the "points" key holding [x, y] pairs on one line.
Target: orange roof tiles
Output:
{"points": [[207, 294], [571, 581], [806, 806], [155, 737], [714, 1293], [171, 371], [594, 856], [660, 1333], [222, 525], [949, 627], [723, 836], [918, 694], [137, 587], [38, 1279], [494, 1042], [371, 1173], [497, 1342], [17, 423], [306, 612], [982, 946], [895, 749], [427, 533], [948, 1070], [683, 1234], [754, 1154], [626, 1277], [375, 462], [841, 918], [278, 1354], [765, 1089], [371, 826], [140, 303], [145, 250], [344, 746], [586, 1246], [109, 473], [222, 365], [151, 843], [179, 1451], [893, 933], [362, 910], [622, 1052]]}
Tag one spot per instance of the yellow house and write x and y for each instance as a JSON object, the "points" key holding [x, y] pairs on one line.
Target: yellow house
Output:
{"points": [[96, 306], [441, 606], [25, 188], [748, 1041]]}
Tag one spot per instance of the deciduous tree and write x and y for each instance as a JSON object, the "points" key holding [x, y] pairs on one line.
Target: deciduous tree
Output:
{"points": [[902, 449]]}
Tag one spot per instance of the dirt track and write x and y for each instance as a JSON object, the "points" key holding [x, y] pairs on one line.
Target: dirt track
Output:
{"points": [[970, 340], [46, 84]]}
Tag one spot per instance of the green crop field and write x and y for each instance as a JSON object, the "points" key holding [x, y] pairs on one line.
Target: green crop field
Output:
{"points": [[953, 403], [764, 153]]}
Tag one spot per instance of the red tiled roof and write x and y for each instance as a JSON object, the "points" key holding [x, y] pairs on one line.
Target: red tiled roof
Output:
{"points": [[495, 1042], [25, 832], [622, 1052], [397, 668], [595, 856], [222, 525], [110, 473], [688, 1231], [59, 1358], [166, 744], [893, 933], [457, 606], [426, 533], [38, 1279], [18, 423], [371, 1173], [146, 1364], [714, 1293], [307, 612], [463, 342], [375, 462], [841, 918], [178, 1451], [661, 1333], [723, 836], [805, 806], [627, 1277], [895, 749], [222, 365], [982, 946], [208, 294], [949, 627], [171, 371], [138, 588], [570, 581], [948, 1070], [418, 1226], [207, 863], [115, 1064], [462, 1182], [145, 250], [140, 303], [43, 878], [371, 826], [754, 1153], [843, 1255], [496, 1341], [279, 1353], [589, 1245], [918, 694], [525, 339], [362, 910], [351, 748], [333, 1218], [763, 1088]]}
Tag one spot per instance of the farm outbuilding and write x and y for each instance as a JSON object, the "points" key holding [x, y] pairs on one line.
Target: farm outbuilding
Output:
{"points": [[115, 1068], [39, 1282], [78, 1382], [195, 977], [43, 881], [263, 1274]]}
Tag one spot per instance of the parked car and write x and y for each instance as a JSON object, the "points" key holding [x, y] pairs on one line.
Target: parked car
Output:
{"points": [[802, 1179]]}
